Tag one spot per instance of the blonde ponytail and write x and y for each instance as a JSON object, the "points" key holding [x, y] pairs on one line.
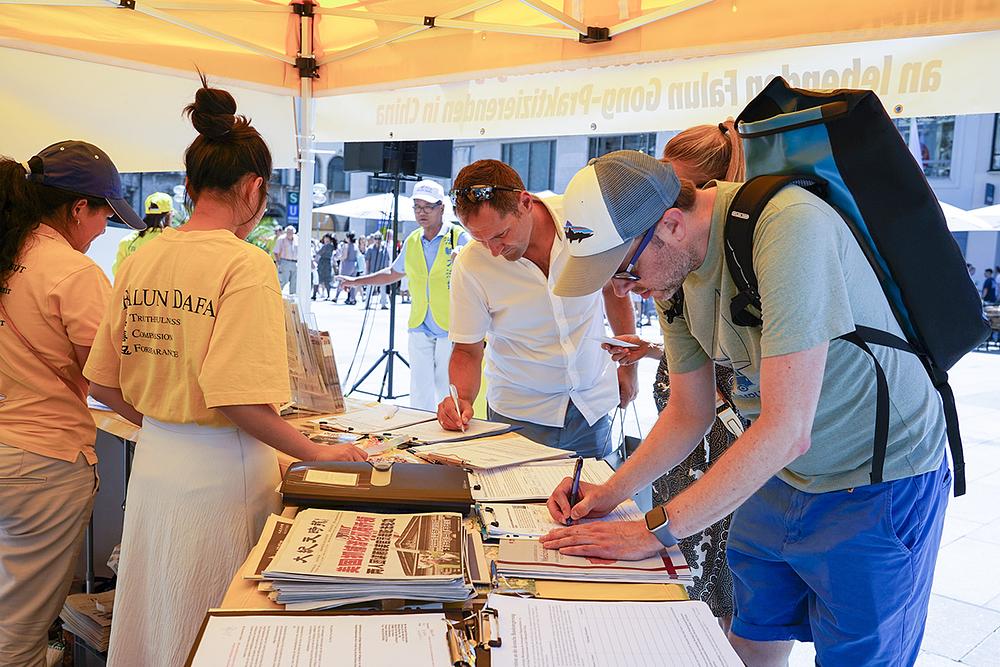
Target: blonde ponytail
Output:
{"points": [[708, 152]]}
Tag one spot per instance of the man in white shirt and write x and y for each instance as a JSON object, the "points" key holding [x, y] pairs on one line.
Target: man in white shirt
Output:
{"points": [[545, 369], [286, 249]]}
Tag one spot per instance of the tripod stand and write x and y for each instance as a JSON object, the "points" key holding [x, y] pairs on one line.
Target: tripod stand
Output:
{"points": [[389, 354]]}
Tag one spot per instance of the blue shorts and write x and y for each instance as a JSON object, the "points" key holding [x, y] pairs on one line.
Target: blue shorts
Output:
{"points": [[848, 570]]}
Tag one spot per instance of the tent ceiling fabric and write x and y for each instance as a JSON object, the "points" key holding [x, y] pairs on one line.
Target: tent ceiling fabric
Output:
{"points": [[134, 116], [245, 40]]}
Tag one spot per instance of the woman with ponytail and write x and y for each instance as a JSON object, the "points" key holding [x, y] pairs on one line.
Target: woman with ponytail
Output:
{"points": [[701, 154], [176, 348], [51, 299]]}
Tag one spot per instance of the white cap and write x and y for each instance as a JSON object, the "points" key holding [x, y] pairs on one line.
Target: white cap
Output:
{"points": [[428, 190]]}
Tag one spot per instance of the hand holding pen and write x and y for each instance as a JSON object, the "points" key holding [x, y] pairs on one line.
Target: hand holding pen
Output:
{"points": [[574, 493]]}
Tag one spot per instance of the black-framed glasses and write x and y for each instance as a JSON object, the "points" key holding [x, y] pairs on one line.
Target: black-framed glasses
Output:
{"points": [[427, 208], [628, 273], [479, 193]]}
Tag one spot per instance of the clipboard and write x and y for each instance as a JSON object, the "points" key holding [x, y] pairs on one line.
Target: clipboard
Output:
{"points": [[469, 630]]}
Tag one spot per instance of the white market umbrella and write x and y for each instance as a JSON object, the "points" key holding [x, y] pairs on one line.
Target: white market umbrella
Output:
{"points": [[960, 220], [372, 207], [988, 214], [379, 207]]}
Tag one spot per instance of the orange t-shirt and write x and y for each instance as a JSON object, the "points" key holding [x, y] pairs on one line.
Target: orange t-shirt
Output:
{"points": [[195, 322], [54, 299]]}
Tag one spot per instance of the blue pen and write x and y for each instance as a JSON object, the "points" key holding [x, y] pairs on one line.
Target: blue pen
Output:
{"points": [[574, 492]]}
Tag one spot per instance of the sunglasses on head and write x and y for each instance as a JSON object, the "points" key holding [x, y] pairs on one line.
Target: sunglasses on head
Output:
{"points": [[479, 193]]}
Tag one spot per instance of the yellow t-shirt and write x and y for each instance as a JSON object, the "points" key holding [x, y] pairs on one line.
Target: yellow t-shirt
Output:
{"points": [[195, 322], [54, 299]]}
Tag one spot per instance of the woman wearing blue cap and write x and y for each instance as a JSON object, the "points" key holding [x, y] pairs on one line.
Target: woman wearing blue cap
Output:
{"points": [[51, 300]]}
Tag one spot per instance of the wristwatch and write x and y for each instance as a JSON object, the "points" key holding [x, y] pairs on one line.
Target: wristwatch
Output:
{"points": [[659, 525]]}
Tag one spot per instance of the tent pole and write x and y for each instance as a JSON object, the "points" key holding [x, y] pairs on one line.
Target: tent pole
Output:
{"points": [[307, 161]]}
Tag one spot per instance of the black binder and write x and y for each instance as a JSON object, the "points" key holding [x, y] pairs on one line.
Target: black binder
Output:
{"points": [[397, 487]]}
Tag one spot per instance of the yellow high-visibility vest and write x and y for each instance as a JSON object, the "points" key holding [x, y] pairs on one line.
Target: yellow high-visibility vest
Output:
{"points": [[438, 280]]}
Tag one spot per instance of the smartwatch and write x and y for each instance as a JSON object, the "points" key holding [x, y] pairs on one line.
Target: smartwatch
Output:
{"points": [[659, 525]]}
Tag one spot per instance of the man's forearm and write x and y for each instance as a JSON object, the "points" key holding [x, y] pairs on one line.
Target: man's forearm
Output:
{"points": [[673, 437], [465, 370], [619, 310], [383, 277], [747, 465]]}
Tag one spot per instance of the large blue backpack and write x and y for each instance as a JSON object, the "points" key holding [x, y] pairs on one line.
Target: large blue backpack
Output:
{"points": [[844, 147]]}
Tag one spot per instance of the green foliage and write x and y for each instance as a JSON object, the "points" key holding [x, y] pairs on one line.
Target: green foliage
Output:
{"points": [[264, 234]]}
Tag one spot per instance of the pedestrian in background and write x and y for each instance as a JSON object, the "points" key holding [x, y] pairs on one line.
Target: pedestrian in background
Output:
{"points": [[286, 252], [159, 214]]}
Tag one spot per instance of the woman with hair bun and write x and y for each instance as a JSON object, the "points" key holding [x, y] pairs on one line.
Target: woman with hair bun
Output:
{"points": [[176, 350], [51, 299], [700, 154]]}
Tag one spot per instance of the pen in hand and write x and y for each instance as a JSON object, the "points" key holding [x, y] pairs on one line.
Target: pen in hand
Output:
{"points": [[454, 396], [574, 492]]}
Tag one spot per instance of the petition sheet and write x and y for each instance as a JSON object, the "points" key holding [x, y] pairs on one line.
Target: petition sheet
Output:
{"points": [[526, 521], [532, 481], [549, 633], [415, 640]]}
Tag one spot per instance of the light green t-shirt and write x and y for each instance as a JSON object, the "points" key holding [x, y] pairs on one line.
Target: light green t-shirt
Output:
{"points": [[815, 284]]}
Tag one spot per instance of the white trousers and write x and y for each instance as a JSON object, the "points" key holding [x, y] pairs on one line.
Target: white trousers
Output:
{"points": [[429, 358]]}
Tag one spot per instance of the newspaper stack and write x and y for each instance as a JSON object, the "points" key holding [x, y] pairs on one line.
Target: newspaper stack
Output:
{"points": [[332, 558], [528, 559], [89, 617]]}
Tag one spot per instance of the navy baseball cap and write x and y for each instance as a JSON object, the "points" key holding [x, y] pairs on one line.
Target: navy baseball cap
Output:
{"points": [[84, 169]]}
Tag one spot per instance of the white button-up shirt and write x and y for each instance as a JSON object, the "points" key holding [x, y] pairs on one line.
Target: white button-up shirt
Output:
{"points": [[540, 352]]}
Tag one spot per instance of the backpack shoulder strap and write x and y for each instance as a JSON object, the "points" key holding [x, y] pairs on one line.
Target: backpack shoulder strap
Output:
{"points": [[741, 221]]}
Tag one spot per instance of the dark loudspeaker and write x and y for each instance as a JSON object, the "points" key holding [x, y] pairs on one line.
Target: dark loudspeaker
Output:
{"points": [[409, 158]]}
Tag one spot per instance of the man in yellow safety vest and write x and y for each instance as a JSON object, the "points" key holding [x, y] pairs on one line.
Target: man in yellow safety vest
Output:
{"points": [[426, 260]]}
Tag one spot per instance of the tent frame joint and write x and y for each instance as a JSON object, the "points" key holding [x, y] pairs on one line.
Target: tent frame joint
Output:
{"points": [[307, 66], [304, 9], [126, 4], [429, 21], [595, 35]]}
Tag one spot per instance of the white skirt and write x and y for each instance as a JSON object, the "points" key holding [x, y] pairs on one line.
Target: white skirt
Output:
{"points": [[197, 501]]}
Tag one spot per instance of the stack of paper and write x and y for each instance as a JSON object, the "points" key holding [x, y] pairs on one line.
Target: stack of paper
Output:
{"points": [[376, 418], [247, 639], [517, 521], [542, 633], [431, 432], [89, 617], [332, 558], [532, 481], [509, 450], [530, 560]]}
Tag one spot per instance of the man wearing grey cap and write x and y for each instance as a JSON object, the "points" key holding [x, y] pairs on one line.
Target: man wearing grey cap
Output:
{"points": [[818, 552]]}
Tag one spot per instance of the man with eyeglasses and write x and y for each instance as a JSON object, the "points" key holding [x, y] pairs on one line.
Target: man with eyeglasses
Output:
{"points": [[426, 260], [545, 369], [818, 552]]}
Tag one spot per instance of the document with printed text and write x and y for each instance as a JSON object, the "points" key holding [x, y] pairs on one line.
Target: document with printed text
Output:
{"points": [[544, 633], [415, 640], [532, 481]]}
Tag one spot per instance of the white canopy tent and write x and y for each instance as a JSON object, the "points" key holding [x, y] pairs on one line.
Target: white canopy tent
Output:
{"points": [[117, 72]]}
